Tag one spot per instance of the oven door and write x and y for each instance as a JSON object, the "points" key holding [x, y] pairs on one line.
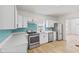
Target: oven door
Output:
{"points": [[33, 39]]}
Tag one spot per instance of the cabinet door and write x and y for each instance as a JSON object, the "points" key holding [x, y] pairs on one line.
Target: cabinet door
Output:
{"points": [[7, 16], [54, 36], [46, 37], [49, 23], [16, 49], [25, 20], [43, 38], [52, 23], [30, 19], [19, 21], [46, 23]]}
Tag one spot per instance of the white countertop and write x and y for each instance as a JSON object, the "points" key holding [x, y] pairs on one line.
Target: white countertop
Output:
{"points": [[46, 31], [16, 39]]}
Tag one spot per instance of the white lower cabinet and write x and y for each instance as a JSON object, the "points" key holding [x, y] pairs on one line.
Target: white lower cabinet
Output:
{"points": [[16, 49], [54, 36], [43, 38], [16, 44], [47, 36]]}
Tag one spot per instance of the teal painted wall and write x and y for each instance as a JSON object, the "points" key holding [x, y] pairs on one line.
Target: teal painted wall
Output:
{"points": [[4, 34]]}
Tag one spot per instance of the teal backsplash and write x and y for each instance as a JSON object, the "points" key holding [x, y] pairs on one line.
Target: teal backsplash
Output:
{"points": [[47, 29], [4, 34], [30, 26], [20, 30]]}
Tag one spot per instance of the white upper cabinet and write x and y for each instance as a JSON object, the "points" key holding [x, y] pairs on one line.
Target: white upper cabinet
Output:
{"points": [[25, 20], [29, 19], [19, 21], [46, 23], [8, 17], [49, 23], [22, 21], [40, 25]]}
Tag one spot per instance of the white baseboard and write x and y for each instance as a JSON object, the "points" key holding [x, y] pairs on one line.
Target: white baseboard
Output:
{"points": [[1, 44]]}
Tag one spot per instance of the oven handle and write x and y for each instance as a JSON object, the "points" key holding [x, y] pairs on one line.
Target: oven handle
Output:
{"points": [[34, 36]]}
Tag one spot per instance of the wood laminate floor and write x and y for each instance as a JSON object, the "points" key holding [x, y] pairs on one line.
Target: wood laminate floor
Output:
{"points": [[67, 46], [56, 46]]}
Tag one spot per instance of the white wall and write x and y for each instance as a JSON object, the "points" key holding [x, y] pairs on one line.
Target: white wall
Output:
{"points": [[74, 25], [72, 22], [70, 25]]}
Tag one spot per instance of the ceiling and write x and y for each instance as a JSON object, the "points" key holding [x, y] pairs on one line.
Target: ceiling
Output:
{"points": [[52, 10]]}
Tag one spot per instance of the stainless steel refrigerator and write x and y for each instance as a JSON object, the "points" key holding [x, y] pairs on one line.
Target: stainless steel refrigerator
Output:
{"points": [[59, 31]]}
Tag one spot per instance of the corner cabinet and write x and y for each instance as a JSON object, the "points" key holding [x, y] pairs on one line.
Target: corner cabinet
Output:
{"points": [[8, 16]]}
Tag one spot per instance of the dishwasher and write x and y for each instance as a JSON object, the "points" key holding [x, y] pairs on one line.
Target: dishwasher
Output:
{"points": [[50, 36]]}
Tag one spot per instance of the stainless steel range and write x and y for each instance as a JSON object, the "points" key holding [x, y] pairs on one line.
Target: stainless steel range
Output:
{"points": [[33, 40]]}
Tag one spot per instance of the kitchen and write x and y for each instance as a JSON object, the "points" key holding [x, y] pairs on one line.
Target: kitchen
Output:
{"points": [[25, 29]]}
